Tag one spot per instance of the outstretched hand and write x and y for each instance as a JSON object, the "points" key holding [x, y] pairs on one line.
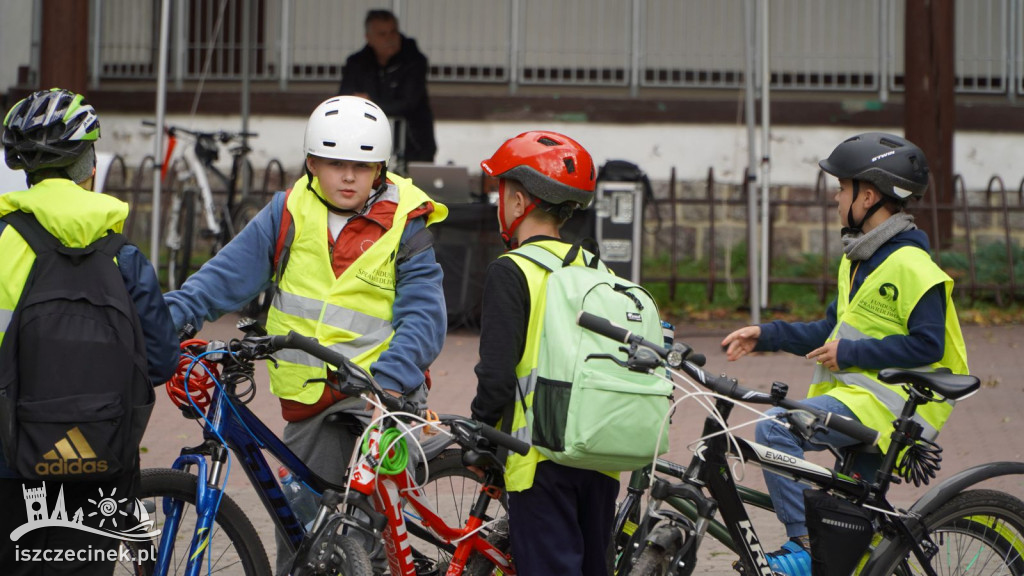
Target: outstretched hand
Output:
{"points": [[741, 342], [827, 355]]}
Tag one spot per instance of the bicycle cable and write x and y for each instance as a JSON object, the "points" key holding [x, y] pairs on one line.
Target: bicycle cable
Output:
{"points": [[394, 455]]}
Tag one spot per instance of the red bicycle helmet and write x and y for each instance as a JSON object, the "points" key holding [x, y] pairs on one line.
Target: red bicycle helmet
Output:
{"points": [[551, 166]]}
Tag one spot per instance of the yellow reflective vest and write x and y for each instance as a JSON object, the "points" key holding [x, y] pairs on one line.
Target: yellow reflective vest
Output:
{"points": [[520, 470], [76, 216], [881, 307], [350, 313]]}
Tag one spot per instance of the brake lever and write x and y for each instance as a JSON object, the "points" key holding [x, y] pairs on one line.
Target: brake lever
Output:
{"points": [[605, 357], [641, 359]]}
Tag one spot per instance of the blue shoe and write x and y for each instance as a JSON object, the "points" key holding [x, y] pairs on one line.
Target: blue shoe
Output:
{"points": [[792, 560]]}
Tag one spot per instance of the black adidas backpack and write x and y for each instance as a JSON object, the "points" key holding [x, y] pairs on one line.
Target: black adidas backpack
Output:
{"points": [[74, 393]]}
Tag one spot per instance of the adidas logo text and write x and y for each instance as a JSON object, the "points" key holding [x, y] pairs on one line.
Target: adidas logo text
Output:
{"points": [[71, 455]]}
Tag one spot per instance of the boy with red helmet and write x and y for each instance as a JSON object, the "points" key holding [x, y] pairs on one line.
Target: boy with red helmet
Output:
{"points": [[560, 518]]}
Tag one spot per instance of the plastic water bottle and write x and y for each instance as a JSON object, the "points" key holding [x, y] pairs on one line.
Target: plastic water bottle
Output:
{"points": [[302, 500]]}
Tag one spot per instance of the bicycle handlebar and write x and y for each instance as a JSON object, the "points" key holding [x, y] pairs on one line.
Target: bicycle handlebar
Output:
{"points": [[724, 385], [264, 346], [220, 135]]}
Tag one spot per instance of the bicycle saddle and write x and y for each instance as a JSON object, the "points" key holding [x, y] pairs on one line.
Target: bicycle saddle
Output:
{"points": [[942, 382]]}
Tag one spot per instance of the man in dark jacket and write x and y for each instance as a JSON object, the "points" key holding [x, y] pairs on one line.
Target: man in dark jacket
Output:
{"points": [[392, 72]]}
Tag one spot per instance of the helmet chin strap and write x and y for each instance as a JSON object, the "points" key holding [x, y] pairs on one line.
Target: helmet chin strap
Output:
{"points": [[508, 232], [858, 228]]}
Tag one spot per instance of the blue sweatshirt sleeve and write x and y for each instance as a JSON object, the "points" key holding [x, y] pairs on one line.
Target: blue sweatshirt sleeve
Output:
{"points": [[924, 344], [420, 320], [160, 336], [796, 337], [234, 276]]}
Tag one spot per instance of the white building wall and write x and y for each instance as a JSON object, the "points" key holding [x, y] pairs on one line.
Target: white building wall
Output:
{"points": [[656, 148], [15, 39]]}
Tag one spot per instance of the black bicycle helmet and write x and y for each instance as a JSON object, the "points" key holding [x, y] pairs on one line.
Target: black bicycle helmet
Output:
{"points": [[894, 165], [49, 129]]}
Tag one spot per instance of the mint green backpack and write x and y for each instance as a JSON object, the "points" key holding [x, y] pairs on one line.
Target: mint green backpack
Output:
{"points": [[594, 414]]}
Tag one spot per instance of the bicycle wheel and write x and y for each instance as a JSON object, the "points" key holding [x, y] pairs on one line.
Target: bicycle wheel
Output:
{"points": [[452, 490], [234, 547], [977, 532], [244, 212], [349, 559], [655, 560], [179, 260]]}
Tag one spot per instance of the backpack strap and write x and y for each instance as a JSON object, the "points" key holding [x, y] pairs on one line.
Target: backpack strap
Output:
{"points": [[285, 237], [417, 243], [41, 240], [35, 234], [550, 261]]}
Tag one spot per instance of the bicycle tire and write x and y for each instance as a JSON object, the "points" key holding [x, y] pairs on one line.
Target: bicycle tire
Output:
{"points": [[452, 489], [975, 529], [353, 559], [654, 560], [244, 212], [237, 550], [179, 261]]}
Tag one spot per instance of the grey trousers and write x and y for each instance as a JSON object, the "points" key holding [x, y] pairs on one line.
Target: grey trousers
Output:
{"points": [[325, 445]]}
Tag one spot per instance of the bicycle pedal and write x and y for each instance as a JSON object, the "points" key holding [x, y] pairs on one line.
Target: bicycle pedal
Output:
{"points": [[207, 233]]}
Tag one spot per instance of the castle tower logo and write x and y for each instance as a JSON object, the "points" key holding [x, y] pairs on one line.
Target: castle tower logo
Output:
{"points": [[114, 516]]}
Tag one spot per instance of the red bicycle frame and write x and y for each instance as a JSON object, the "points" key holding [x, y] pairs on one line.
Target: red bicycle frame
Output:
{"points": [[390, 490]]}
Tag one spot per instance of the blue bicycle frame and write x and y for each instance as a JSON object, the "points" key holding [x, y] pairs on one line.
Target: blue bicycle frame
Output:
{"points": [[246, 436]]}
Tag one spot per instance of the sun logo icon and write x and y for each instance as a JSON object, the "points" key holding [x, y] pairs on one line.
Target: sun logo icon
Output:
{"points": [[108, 507]]}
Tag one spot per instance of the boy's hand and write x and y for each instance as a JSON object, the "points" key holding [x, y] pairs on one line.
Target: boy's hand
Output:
{"points": [[741, 342], [827, 355]]}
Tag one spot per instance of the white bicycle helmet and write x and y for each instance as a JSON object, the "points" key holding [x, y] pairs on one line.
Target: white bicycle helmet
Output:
{"points": [[349, 128]]}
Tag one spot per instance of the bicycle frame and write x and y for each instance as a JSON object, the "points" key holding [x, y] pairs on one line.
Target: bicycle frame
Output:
{"points": [[194, 169], [246, 436], [228, 422], [389, 491], [711, 469]]}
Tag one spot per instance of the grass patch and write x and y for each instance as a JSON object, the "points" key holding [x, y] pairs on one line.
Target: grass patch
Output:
{"points": [[991, 303]]}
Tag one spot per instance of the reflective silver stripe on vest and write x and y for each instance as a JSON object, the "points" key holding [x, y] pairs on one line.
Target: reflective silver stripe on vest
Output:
{"points": [[308, 308], [526, 385], [5, 319], [336, 316], [349, 349], [891, 399]]}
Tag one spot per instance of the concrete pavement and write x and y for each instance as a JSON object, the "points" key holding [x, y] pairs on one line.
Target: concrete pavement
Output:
{"points": [[985, 427]]}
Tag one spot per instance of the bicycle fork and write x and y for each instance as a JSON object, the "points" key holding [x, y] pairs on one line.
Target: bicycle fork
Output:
{"points": [[208, 493]]}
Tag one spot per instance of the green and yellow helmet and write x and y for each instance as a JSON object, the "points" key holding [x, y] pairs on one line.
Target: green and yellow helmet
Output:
{"points": [[49, 129]]}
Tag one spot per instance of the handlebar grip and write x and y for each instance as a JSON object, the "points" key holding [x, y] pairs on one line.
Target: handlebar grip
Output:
{"points": [[311, 346], [501, 439], [852, 428], [603, 326]]}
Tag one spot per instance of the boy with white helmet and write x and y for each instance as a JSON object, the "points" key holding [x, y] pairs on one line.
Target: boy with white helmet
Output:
{"points": [[331, 243]]}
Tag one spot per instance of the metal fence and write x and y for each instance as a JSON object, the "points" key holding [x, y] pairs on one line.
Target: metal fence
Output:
{"points": [[987, 220], [819, 45], [983, 253]]}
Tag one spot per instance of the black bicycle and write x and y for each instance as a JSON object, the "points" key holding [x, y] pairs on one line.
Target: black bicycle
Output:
{"points": [[955, 528]]}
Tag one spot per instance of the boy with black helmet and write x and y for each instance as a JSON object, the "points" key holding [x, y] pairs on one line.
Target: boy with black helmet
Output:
{"points": [[894, 308], [51, 136], [560, 518]]}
